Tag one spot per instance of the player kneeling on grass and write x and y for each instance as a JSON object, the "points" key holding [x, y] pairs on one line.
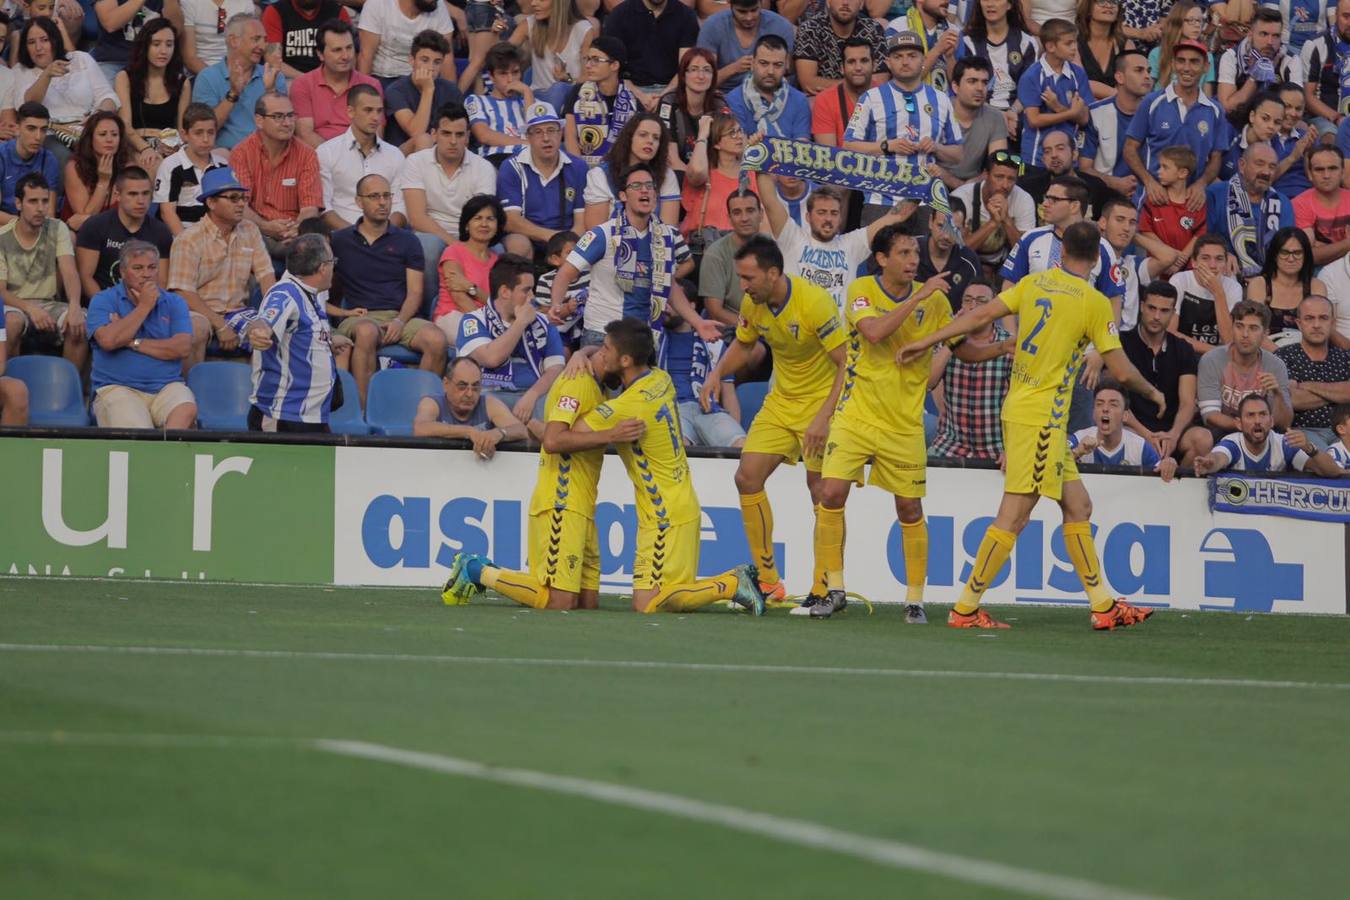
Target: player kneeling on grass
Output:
{"points": [[879, 417], [1058, 313], [563, 545], [1108, 443], [1256, 448]]}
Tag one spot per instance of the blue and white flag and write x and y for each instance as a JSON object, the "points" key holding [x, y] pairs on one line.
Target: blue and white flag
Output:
{"points": [[889, 175], [1323, 500]]}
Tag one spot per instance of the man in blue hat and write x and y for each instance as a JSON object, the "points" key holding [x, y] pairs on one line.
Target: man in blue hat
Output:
{"points": [[537, 206], [210, 265]]}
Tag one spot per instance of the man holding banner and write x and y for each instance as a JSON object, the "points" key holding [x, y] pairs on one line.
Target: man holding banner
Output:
{"points": [[904, 118]]}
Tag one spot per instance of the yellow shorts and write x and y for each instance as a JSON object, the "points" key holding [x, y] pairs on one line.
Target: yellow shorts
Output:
{"points": [[666, 556], [1039, 460], [899, 461], [564, 550], [779, 428]]}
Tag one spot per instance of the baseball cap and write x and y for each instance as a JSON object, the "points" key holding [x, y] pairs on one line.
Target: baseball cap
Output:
{"points": [[540, 113], [218, 181], [905, 40], [1191, 45]]}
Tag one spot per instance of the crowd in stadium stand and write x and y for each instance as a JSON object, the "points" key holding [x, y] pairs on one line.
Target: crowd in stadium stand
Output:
{"points": [[476, 188]]}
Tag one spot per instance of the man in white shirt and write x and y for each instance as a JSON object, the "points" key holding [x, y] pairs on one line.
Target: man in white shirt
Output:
{"points": [[998, 212], [354, 154], [387, 29]]}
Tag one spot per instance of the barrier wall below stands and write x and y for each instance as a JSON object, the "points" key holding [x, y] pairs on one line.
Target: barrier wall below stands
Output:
{"points": [[380, 512]]}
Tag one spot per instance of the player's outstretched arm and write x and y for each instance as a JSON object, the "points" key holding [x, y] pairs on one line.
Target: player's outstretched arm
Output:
{"points": [[961, 325], [558, 438], [876, 329], [1124, 372]]}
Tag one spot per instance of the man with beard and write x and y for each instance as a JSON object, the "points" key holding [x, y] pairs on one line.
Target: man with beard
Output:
{"points": [[388, 28], [820, 254], [1057, 154], [1319, 373], [1326, 62], [1323, 211], [1107, 443], [823, 41], [733, 35], [294, 25], [1257, 62], [927, 20], [1232, 372], [831, 109], [998, 212], [767, 104], [233, 86], [1109, 122], [1255, 447], [1247, 210], [940, 254], [321, 94]]}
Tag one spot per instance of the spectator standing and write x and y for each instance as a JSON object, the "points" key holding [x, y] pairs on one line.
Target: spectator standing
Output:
{"points": [[983, 129], [178, 181], [597, 109], [1323, 211], [1254, 447], [141, 335], [101, 152], [1119, 223], [1257, 63], [321, 94], [1054, 92], [969, 424], [1041, 248], [1230, 373], [1319, 372], [354, 154], [1143, 21], [998, 32], [411, 100], [379, 273], [767, 104], [1101, 154], [1168, 231], [293, 25], [718, 283], [998, 212], [295, 378], [37, 269], [205, 30], [99, 243], [1285, 280], [152, 93], [1186, 21], [1246, 209], [832, 107], [120, 22], [233, 86], [519, 349], [280, 172], [387, 31], [733, 35], [821, 41], [24, 154], [695, 96], [1101, 38], [466, 412], [1169, 364], [556, 35], [1201, 320], [655, 32], [904, 118], [212, 262], [928, 20]]}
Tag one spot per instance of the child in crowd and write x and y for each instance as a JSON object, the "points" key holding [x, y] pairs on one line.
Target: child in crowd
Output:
{"points": [[178, 181], [1168, 231], [1340, 423], [497, 118], [569, 327]]}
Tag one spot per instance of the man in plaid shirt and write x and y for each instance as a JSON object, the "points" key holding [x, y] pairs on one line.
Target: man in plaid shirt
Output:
{"points": [[969, 425]]}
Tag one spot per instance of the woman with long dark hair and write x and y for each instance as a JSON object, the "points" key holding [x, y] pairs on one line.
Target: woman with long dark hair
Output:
{"points": [[101, 152], [1101, 38], [694, 97], [70, 85], [1285, 280], [644, 139], [153, 92], [998, 32]]}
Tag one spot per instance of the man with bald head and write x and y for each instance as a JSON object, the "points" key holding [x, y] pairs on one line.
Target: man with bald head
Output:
{"points": [[1247, 210]]}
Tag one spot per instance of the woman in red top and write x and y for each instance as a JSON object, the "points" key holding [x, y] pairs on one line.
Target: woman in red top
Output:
{"points": [[714, 173], [465, 265], [101, 152]]}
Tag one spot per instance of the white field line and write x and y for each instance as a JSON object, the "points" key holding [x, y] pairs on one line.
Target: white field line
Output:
{"points": [[894, 854], [669, 666]]}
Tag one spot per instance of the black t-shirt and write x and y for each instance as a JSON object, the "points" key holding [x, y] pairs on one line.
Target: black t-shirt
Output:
{"points": [[963, 267], [1163, 370], [106, 234], [653, 42]]}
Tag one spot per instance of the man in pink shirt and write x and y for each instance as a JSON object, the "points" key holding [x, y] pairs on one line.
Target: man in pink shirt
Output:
{"points": [[1323, 211], [320, 96]]}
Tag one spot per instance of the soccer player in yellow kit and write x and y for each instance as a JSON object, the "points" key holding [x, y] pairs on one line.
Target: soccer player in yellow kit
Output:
{"points": [[800, 323], [1058, 314], [879, 418], [564, 553], [670, 520]]}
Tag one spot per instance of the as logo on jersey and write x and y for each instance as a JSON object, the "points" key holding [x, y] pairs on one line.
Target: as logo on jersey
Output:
{"points": [[1187, 222], [861, 303], [569, 404], [586, 240], [271, 313]]}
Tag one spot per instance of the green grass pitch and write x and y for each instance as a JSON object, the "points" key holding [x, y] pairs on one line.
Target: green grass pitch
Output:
{"points": [[1170, 773]]}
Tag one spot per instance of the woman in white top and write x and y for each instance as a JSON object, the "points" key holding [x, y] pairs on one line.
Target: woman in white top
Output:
{"points": [[70, 85], [644, 139], [387, 29], [204, 29], [556, 36]]}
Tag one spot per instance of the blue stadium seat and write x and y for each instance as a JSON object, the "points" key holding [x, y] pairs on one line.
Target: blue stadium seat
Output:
{"points": [[222, 390], [55, 397], [391, 401], [401, 354], [751, 394], [347, 418]]}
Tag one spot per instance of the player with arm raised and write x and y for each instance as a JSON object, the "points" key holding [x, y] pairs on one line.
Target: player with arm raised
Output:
{"points": [[1058, 314], [800, 323]]}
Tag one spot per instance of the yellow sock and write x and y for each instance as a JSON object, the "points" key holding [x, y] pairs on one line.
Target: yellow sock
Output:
{"points": [[830, 546], [994, 552], [1083, 555], [758, 518], [914, 540], [519, 586], [689, 597]]}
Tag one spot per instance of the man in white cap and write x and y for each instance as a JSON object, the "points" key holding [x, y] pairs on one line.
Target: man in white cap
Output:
{"points": [[541, 187]]}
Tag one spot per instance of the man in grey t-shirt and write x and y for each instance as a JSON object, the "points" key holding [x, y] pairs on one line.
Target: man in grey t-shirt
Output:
{"points": [[983, 128], [717, 282], [1228, 374]]}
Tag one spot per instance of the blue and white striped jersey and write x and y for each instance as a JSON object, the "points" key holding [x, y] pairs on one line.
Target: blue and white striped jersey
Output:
{"points": [[1133, 450], [1103, 139], [1040, 249], [1275, 456], [886, 112], [1070, 81], [503, 115], [293, 380], [1340, 453]]}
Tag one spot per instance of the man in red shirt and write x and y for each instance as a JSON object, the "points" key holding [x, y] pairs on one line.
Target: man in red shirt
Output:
{"points": [[1323, 211], [280, 172], [831, 108], [320, 96]]}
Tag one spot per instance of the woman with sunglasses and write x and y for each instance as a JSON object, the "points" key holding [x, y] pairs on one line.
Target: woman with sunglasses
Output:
{"points": [[154, 93], [1285, 280], [204, 29]]}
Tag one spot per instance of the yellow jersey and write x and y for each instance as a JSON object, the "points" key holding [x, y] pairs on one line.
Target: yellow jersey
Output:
{"points": [[801, 336], [1058, 315], [877, 391], [656, 463], [569, 480]]}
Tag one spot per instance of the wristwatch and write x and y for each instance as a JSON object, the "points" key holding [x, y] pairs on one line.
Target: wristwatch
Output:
{"points": [[231, 96], [886, 145], [136, 344]]}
